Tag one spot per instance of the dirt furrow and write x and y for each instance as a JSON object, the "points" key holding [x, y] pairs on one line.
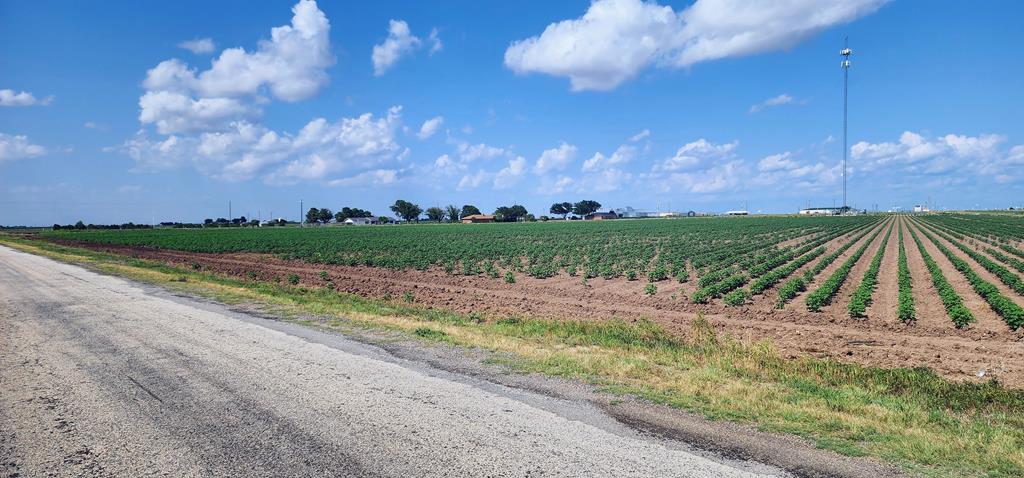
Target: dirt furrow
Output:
{"points": [[839, 303], [980, 270], [987, 319], [931, 313], [798, 301], [885, 300], [765, 301]]}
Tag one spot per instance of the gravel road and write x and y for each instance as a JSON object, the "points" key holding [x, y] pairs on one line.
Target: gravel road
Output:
{"points": [[105, 377]]}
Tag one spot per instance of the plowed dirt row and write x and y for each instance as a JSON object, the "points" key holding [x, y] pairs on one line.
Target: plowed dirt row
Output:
{"points": [[986, 318], [765, 301], [885, 300], [981, 271], [798, 301], [958, 354], [838, 305], [929, 309]]}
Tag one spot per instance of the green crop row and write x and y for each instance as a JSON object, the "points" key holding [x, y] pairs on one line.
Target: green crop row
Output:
{"points": [[905, 312], [954, 305], [705, 294], [1011, 313], [1013, 281], [827, 290], [796, 285], [861, 298]]}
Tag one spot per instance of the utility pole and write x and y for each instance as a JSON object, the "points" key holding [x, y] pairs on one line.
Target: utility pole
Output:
{"points": [[302, 221], [229, 211], [845, 52]]}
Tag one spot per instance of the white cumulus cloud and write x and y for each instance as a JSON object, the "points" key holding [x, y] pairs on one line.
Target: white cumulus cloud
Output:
{"points": [[615, 40], [290, 65], [321, 148], [430, 127], [697, 153], [14, 147], [555, 159], [13, 98], [199, 46], [400, 41], [509, 175], [622, 155]]}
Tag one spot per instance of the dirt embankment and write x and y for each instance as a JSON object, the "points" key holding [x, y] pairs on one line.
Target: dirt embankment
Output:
{"points": [[880, 341]]}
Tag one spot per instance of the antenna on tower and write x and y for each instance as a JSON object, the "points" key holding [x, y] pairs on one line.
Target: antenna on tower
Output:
{"points": [[845, 53]]}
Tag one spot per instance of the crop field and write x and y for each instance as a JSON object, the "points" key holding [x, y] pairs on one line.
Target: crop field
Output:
{"points": [[943, 290]]}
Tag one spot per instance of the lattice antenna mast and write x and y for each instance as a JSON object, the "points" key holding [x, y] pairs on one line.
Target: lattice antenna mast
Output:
{"points": [[845, 53]]}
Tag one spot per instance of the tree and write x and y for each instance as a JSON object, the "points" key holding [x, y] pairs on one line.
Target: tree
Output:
{"points": [[561, 208], [435, 214], [347, 212], [325, 215], [207, 221], [313, 215], [407, 210], [79, 225], [469, 210], [585, 207], [510, 213], [452, 212]]}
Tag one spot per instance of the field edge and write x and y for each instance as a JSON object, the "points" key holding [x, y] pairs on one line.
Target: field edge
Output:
{"points": [[705, 373]]}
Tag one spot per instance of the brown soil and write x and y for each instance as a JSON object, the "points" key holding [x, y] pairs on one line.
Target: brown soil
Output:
{"points": [[885, 301], [931, 342], [838, 305], [798, 303], [930, 311], [765, 302], [981, 271], [987, 319]]}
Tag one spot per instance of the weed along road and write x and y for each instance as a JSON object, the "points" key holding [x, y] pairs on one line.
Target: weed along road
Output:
{"points": [[104, 377]]}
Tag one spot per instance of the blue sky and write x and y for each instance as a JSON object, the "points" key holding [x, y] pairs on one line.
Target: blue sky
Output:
{"points": [[142, 111]]}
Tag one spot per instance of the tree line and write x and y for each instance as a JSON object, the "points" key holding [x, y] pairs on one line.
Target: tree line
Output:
{"points": [[411, 212]]}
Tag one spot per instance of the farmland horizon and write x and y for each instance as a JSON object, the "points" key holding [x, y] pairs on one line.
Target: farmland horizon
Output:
{"points": [[151, 113]]}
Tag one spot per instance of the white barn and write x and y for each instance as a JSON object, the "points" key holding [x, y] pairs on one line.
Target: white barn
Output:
{"points": [[360, 221]]}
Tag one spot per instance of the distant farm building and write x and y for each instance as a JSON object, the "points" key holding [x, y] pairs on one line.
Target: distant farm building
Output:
{"points": [[360, 221], [737, 213], [477, 218], [920, 208], [600, 216], [821, 211], [629, 212]]}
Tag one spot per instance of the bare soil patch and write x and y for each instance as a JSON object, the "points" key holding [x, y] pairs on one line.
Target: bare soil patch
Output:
{"points": [[931, 342]]}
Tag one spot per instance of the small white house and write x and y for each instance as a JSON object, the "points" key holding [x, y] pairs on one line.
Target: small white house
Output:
{"points": [[360, 221]]}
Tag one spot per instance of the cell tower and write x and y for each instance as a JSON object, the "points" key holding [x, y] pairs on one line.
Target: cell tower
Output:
{"points": [[845, 52]]}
